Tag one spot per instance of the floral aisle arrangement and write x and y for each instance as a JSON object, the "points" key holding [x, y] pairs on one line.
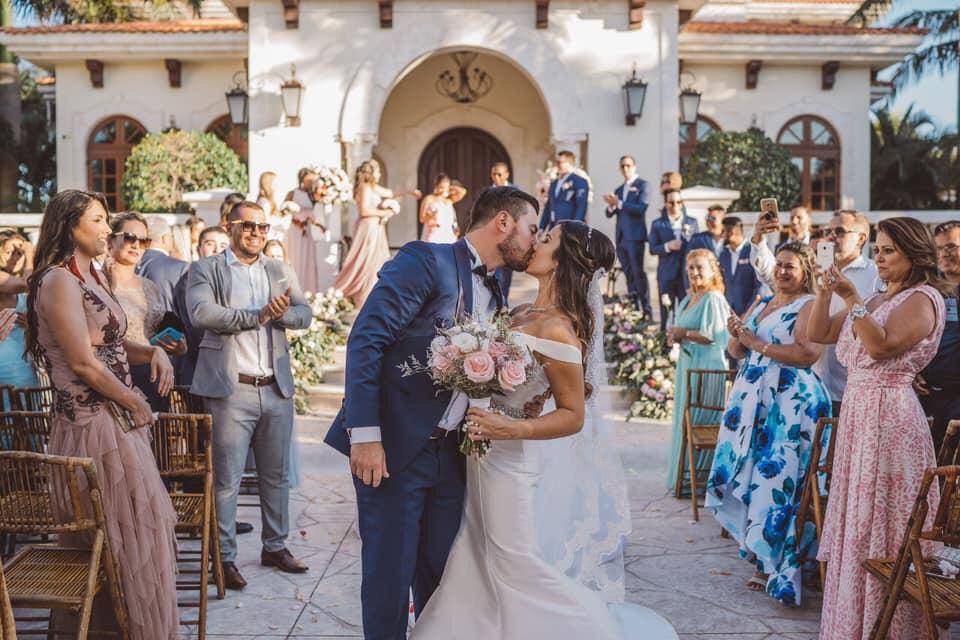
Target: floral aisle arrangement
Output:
{"points": [[636, 351], [479, 359], [312, 348], [333, 186]]}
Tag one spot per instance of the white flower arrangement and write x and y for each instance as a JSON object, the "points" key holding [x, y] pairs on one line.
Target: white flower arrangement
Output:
{"points": [[333, 186]]}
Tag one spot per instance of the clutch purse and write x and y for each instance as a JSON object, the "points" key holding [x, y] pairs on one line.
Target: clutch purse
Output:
{"points": [[122, 416]]}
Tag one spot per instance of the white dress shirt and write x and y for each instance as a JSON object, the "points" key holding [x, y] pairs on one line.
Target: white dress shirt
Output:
{"points": [[250, 290], [735, 256], [453, 415], [677, 226]]}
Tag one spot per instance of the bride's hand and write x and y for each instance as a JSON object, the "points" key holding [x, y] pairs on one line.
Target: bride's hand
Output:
{"points": [[483, 425]]}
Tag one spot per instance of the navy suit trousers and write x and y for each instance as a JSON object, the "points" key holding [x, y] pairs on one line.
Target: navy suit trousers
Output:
{"points": [[630, 253], [407, 526]]}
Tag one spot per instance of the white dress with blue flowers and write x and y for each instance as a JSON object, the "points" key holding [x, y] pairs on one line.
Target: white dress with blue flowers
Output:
{"points": [[763, 453]]}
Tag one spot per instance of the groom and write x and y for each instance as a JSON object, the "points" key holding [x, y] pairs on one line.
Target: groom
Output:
{"points": [[401, 433]]}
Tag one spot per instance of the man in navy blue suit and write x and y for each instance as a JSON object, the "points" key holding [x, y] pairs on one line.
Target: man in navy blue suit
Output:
{"points": [[739, 278], [670, 236], [629, 203], [568, 195], [714, 238], [401, 432]]}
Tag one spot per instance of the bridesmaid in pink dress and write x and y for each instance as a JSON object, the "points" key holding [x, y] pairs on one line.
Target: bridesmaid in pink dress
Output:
{"points": [[884, 444], [76, 329]]}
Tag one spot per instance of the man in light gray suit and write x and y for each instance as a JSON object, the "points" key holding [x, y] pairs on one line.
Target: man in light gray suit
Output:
{"points": [[157, 265], [245, 302]]}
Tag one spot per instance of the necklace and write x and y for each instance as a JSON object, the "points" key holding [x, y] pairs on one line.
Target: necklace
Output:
{"points": [[546, 308]]}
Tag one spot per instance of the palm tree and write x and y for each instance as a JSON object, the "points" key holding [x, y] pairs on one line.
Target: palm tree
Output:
{"points": [[83, 11], [904, 167]]}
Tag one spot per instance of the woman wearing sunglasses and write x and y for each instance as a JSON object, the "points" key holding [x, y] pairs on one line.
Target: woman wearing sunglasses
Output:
{"points": [[140, 297]]}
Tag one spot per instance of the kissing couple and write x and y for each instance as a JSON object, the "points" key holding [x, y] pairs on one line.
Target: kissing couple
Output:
{"points": [[527, 542]]}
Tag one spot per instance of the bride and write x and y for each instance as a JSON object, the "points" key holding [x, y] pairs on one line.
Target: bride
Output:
{"points": [[539, 551]]}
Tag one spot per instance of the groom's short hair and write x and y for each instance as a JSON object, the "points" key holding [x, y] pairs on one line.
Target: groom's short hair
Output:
{"points": [[493, 200]]}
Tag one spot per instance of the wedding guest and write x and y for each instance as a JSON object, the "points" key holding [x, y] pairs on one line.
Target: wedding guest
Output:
{"points": [[714, 238], [140, 298], [670, 236], [282, 220], [568, 195], [701, 332], [437, 215], [500, 177], [245, 303], [629, 204], [275, 249], [370, 249], [76, 329], [227, 205], [938, 385], [157, 264], [195, 225], [884, 444], [763, 450], [741, 280], [16, 259], [266, 195], [301, 246]]}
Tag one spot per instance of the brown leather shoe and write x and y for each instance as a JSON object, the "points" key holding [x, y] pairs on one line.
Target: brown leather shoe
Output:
{"points": [[282, 560], [232, 578]]}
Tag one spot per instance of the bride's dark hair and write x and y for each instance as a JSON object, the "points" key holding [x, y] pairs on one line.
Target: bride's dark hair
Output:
{"points": [[582, 252]]}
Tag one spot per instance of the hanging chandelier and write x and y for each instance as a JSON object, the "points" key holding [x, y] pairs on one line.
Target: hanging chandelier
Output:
{"points": [[465, 85]]}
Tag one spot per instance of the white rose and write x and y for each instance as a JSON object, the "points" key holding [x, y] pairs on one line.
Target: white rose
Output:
{"points": [[454, 331], [465, 342], [658, 375], [648, 363], [438, 343]]}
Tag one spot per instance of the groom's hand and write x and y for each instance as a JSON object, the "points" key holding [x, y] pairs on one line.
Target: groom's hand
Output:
{"points": [[369, 463]]}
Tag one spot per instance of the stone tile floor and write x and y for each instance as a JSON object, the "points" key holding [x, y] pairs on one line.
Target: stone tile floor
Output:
{"points": [[683, 570]]}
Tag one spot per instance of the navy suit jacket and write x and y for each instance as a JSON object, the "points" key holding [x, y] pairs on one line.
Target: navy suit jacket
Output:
{"points": [[705, 240], [742, 287], [672, 265], [632, 214], [164, 271], [423, 287], [571, 204]]}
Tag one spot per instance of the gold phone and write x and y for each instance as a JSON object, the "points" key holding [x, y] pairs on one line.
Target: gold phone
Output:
{"points": [[769, 209]]}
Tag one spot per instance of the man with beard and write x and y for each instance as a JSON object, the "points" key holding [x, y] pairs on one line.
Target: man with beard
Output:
{"points": [[400, 432]]}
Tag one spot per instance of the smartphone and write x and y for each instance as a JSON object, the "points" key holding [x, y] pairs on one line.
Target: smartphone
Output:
{"points": [[825, 256], [769, 209], [169, 333]]}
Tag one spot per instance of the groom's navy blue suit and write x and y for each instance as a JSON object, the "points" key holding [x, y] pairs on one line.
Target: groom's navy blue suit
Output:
{"points": [[408, 523]]}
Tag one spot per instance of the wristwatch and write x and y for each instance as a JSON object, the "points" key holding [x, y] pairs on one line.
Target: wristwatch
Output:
{"points": [[858, 312]]}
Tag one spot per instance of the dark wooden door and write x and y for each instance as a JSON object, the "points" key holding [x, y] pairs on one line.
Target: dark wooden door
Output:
{"points": [[465, 154]]}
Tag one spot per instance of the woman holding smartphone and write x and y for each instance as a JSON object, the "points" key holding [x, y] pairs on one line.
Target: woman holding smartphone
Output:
{"points": [[140, 297]]}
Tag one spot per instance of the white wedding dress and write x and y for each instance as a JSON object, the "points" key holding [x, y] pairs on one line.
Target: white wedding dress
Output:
{"points": [[501, 582]]}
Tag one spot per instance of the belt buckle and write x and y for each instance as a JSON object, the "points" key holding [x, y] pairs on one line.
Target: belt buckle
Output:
{"points": [[257, 379]]}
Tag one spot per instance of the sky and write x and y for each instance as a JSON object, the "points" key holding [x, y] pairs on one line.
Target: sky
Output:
{"points": [[935, 94]]}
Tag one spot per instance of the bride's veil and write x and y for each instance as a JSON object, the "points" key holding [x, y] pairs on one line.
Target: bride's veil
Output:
{"points": [[582, 513]]}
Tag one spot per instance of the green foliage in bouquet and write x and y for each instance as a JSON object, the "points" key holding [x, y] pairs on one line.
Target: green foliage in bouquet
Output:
{"points": [[636, 349], [312, 348], [163, 166]]}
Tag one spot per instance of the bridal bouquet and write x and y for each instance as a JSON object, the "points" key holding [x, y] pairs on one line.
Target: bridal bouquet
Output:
{"points": [[479, 359], [333, 186]]}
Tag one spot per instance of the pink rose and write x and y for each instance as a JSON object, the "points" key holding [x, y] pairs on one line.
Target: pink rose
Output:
{"points": [[511, 375], [498, 349], [479, 367], [441, 362], [450, 352]]}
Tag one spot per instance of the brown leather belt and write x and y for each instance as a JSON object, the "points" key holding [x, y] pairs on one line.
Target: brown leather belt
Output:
{"points": [[257, 381], [440, 432]]}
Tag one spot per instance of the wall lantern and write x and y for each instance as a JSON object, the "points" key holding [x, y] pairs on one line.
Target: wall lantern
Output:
{"points": [[634, 93], [237, 100], [689, 101], [291, 93]]}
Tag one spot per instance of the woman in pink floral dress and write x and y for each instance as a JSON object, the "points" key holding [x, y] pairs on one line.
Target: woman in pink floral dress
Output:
{"points": [[884, 443]]}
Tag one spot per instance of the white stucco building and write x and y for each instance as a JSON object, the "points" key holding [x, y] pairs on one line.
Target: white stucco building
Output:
{"points": [[370, 69]]}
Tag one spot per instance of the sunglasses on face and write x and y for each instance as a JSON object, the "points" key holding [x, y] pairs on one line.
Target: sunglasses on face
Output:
{"points": [[132, 238], [249, 227], [839, 232]]}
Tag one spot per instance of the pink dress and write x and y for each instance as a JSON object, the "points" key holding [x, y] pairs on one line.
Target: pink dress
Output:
{"points": [[883, 448], [301, 248], [368, 252]]}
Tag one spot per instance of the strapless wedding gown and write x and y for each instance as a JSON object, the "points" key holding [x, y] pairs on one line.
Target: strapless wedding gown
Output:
{"points": [[496, 585]]}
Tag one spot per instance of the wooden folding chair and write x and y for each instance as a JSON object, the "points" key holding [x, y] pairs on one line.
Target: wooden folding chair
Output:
{"points": [[704, 404], [182, 401], [39, 399], [948, 448], [8, 626], [813, 499], [904, 578], [182, 448], [24, 431], [42, 494]]}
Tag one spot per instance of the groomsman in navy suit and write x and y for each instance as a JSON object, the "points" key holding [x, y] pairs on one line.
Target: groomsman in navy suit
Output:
{"points": [[629, 204], [670, 236], [500, 177], [714, 238], [739, 277], [568, 196]]}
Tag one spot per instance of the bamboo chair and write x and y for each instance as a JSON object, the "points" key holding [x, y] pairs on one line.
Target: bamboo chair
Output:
{"points": [[182, 401], [938, 598], [813, 502], [182, 448], [8, 626], [39, 399], [42, 494], [22, 431], [948, 449], [706, 392]]}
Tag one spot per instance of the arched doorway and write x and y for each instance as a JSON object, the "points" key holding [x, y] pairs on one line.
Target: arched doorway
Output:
{"points": [[465, 154]]}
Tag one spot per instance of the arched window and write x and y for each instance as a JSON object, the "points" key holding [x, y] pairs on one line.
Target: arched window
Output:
{"points": [[107, 151], [814, 147], [693, 134], [235, 137]]}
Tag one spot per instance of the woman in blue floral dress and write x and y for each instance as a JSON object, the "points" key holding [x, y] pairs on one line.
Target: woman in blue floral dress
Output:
{"points": [[764, 444]]}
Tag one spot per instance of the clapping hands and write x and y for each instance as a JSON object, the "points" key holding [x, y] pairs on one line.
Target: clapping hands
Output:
{"points": [[275, 309]]}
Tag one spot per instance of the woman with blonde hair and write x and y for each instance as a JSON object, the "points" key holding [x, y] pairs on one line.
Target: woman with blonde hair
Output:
{"points": [[437, 215], [370, 249], [266, 196], [701, 333]]}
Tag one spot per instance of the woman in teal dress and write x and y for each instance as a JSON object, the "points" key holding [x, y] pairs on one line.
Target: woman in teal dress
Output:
{"points": [[701, 332], [765, 440], [16, 262]]}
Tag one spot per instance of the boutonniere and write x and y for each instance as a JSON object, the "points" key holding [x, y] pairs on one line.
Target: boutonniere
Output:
{"points": [[567, 185], [686, 229], [633, 189]]}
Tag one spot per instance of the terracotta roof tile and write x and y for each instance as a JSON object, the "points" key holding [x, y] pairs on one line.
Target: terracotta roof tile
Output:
{"points": [[794, 29], [208, 25]]}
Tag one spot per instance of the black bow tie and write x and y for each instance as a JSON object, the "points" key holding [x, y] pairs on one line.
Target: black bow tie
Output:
{"points": [[490, 282]]}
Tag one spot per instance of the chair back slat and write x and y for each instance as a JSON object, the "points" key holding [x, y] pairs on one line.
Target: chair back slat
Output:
{"points": [[182, 401], [44, 494], [707, 389], [181, 444], [24, 431], [35, 399], [948, 448]]}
